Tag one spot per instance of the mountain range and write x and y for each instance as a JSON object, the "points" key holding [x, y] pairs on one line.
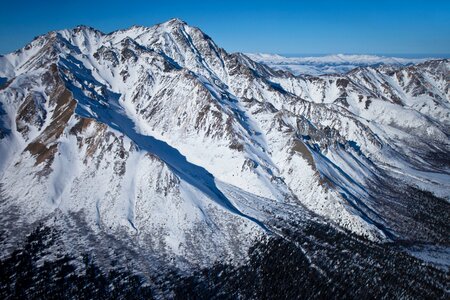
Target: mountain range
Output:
{"points": [[332, 64], [150, 162]]}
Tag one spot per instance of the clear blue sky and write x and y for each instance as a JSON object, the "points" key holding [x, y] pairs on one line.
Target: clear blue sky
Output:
{"points": [[314, 26]]}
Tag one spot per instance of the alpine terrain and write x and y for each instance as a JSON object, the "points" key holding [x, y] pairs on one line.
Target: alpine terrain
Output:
{"points": [[330, 64], [150, 163]]}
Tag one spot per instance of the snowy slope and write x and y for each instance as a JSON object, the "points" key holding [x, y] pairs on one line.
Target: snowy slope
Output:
{"points": [[192, 152]]}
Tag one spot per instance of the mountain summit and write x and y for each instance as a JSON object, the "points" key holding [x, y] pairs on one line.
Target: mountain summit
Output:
{"points": [[158, 147]]}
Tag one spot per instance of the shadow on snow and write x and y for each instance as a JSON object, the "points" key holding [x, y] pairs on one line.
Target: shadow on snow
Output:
{"points": [[108, 111]]}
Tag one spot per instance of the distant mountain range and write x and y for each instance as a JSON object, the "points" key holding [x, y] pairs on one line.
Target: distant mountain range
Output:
{"points": [[330, 64], [150, 163]]}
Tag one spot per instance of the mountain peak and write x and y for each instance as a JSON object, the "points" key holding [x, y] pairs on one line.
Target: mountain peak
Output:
{"points": [[86, 28], [175, 21], [157, 136]]}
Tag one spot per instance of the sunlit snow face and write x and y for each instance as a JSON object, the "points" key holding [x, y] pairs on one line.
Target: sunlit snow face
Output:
{"points": [[185, 134]]}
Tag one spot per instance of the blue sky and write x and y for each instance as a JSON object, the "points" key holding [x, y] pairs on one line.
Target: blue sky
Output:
{"points": [[285, 27]]}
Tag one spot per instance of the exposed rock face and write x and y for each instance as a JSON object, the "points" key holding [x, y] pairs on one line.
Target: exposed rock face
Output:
{"points": [[158, 137]]}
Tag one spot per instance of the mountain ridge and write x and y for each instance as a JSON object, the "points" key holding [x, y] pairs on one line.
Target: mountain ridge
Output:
{"points": [[334, 63], [157, 136]]}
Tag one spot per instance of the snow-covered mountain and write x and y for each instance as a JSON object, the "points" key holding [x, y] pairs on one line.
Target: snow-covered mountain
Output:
{"points": [[329, 64], [160, 142]]}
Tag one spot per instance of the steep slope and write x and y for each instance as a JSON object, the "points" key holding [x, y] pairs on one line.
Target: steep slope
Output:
{"points": [[185, 153], [85, 156]]}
